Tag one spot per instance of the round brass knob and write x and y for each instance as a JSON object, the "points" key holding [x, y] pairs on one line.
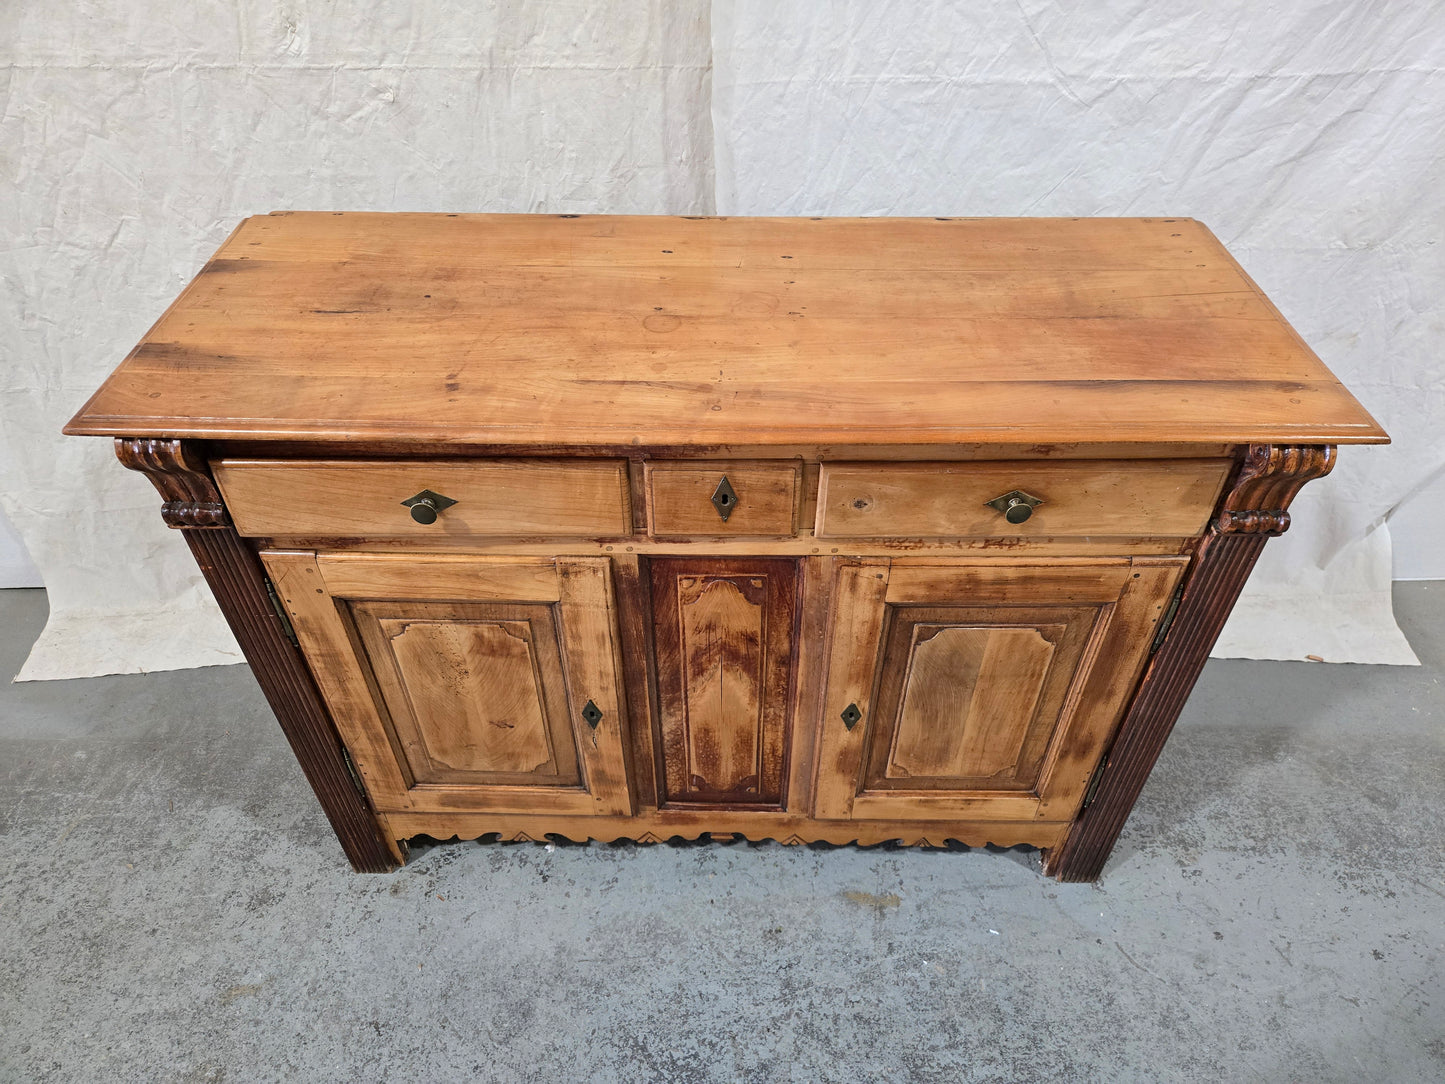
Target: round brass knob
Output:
{"points": [[426, 506], [1015, 506]]}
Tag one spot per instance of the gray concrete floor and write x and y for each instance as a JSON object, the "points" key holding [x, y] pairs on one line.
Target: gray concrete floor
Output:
{"points": [[174, 909]]}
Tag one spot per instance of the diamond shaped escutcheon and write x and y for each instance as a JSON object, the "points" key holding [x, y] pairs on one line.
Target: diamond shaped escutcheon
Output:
{"points": [[724, 498], [851, 715]]}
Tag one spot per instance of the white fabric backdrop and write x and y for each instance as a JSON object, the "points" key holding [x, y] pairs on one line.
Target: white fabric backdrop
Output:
{"points": [[135, 136], [16, 568], [1310, 137]]}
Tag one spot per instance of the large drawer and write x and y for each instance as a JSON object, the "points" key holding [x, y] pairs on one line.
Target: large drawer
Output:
{"points": [[1102, 498], [364, 498]]}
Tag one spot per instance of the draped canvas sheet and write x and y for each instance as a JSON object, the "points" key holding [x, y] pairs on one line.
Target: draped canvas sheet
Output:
{"points": [[133, 137], [1309, 137]]}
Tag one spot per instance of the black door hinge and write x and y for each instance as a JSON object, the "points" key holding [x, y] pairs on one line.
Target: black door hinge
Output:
{"points": [[1167, 620], [281, 613], [351, 771], [1094, 783]]}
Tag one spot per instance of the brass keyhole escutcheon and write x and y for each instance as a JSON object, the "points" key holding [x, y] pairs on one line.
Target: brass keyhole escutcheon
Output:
{"points": [[724, 498], [426, 506], [1016, 506]]}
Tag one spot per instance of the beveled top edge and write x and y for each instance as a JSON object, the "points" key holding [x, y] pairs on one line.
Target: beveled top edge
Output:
{"points": [[1324, 396], [229, 430]]}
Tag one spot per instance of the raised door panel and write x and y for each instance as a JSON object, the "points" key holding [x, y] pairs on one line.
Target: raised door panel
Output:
{"points": [[475, 692], [967, 702], [724, 635], [467, 684], [988, 683], [979, 689]]}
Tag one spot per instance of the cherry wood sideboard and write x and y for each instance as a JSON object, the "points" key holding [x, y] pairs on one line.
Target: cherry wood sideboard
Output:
{"points": [[799, 529]]}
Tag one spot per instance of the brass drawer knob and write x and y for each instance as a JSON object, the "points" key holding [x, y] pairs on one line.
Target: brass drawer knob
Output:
{"points": [[426, 506], [1016, 506]]}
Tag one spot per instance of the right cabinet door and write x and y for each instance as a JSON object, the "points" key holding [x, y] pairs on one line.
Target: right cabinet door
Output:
{"points": [[979, 689]]}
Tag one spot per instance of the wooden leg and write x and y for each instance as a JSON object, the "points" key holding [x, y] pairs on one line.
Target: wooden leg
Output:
{"points": [[1252, 511], [1221, 566], [236, 578]]}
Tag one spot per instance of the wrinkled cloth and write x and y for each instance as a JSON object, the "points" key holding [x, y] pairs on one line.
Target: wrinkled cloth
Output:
{"points": [[1309, 137]]}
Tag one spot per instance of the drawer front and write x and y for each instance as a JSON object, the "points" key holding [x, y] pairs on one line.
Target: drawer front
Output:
{"points": [[688, 499], [1103, 498], [364, 499]]}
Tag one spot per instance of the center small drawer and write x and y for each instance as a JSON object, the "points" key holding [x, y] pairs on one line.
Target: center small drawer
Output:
{"points": [[426, 499], [733, 499], [1139, 498]]}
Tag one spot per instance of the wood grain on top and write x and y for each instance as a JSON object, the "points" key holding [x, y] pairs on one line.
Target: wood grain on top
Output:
{"points": [[607, 331]]}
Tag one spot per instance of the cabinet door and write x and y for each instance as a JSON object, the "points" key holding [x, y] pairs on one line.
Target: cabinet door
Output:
{"points": [[979, 689], [724, 633], [467, 683]]}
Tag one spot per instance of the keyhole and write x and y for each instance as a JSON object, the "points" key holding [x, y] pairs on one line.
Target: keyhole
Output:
{"points": [[724, 499]]}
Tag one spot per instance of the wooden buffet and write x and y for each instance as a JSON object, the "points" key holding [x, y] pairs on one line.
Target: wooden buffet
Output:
{"points": [[800, 529]]}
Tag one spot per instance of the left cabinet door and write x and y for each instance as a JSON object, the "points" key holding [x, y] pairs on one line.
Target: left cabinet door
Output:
{"points": [[467, 683]]}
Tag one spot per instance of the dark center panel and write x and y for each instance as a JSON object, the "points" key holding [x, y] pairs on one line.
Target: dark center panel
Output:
{"points": [[723, 631]]}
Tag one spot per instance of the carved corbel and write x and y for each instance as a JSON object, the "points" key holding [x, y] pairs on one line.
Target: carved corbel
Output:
{"points": [[192, 500], [1269, 478]]}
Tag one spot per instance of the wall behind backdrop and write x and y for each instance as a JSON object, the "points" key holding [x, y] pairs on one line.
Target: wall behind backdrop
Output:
{"points": [[1309, 136]]}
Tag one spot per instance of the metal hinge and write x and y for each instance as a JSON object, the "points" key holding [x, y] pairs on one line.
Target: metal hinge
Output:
{"points": [[1094, 783], [351, 771], [1167, 620], [281, 613]]}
